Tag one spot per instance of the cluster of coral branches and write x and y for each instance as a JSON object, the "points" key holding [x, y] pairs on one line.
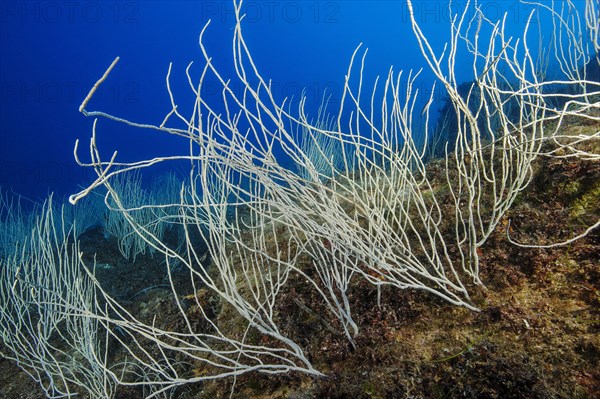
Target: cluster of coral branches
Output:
{"points": [[360, 203]]}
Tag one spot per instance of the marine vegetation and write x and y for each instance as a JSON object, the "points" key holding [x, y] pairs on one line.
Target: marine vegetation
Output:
{"points": [[396, 257]]}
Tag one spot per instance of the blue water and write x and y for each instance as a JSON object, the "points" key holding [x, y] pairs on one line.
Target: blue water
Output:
{"points": [[52, 52]]}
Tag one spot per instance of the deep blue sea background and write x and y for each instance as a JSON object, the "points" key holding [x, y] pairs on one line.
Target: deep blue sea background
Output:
{"points": [[52, 52]]}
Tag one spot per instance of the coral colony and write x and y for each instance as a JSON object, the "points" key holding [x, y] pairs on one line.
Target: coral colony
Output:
{"points": [[378, 199]]}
